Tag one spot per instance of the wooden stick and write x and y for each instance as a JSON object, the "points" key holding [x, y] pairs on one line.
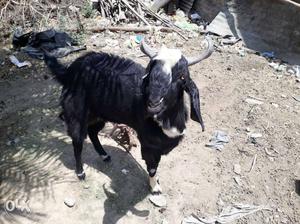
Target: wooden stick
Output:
{"points": [[126, 29], [135, 12], [166, 22]]}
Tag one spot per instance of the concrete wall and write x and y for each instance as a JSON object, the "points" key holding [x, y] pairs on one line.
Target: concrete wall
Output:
{"points": [[274, 24]]}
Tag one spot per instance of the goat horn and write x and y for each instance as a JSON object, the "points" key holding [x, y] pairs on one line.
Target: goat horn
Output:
{"points": [[203, 55], [147, 50]]}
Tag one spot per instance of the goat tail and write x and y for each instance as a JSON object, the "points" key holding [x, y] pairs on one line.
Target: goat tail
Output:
{"points": [[57, 69]]}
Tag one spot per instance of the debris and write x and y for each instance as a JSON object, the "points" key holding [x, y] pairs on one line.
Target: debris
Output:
{"points": [[255, 135], [158, 200], [158, 4], [268, 54], [297, 98], [17, 63], [218, 140], [86, 186], [164, 221], [230, 40], [124, 171], [185, 25], [237, 179], [297, 187], [237, 169], [279, 67], [242, 52], [70, 202], [253, 101], [138, 39], [111, 42], [294, 70], [227, 215], [221, 26], [253, 162], [275, 105], [57, 44]]}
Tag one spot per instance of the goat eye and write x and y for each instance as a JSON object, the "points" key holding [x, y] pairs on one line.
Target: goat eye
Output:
{"points": [[182, 77]]}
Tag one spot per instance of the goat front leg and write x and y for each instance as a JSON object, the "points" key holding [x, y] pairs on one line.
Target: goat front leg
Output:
{"points": [[77, 144], [152, 160]]}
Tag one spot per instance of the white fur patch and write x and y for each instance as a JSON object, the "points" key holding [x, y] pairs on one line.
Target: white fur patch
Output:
{"points": [[173, 132], [170, 57], [155, 187]]}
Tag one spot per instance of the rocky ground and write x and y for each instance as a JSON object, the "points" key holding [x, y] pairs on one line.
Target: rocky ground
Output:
{"points": [[37, 157]]}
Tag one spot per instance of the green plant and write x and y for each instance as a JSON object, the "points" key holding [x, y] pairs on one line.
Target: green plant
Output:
{"points": [[87, 10]]}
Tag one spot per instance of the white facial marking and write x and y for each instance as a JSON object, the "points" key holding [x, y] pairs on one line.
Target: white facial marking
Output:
{"points": [[173, 132], [155, 187], [170, 57], [104, 157], [80, 174]]}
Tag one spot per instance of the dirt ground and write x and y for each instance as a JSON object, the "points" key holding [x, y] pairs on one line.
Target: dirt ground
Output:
{"points": [[37, 163]]}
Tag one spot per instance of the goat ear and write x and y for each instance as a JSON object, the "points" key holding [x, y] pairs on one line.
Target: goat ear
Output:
{"points": [[192, 90]]}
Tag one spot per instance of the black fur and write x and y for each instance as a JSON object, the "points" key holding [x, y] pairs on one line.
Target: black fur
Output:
{"points": [[102, 87]]}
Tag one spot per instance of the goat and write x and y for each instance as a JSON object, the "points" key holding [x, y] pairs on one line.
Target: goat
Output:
{"points": [[101, 87]]}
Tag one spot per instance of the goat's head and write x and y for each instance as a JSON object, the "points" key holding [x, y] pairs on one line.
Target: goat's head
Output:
{"points": [[167, 75]]}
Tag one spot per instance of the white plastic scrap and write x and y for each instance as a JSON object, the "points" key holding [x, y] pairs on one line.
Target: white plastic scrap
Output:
{"points": [[228, 214], [218, 140], [19, 64]]}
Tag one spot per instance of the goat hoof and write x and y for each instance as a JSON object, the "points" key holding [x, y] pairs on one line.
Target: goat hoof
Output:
{"points": [[106, 158], [81, 176]]}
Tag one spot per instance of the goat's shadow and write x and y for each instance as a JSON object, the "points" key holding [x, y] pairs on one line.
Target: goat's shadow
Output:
{"points": [[125, 190]]}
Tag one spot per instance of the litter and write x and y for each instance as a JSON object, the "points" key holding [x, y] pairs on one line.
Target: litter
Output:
{"points": [[227, 215], [297, 98], [17, 63], [124, 171], [253, 163], [57, 44], [238, 180], [294, 70], [253, 101], [279, 67], [218, 140], [255, 135], [230, 40], [268, 54], [158, 200]]}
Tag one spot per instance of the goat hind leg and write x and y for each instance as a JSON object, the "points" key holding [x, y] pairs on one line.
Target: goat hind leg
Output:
{"points": [[93, 131]]}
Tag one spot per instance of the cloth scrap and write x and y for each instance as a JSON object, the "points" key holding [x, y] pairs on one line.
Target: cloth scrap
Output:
{"points": [[17, 63], [228, 215], [218, 139]]}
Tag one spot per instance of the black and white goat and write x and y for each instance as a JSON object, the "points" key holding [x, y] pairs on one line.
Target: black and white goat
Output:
{"points": [[100, 87]]}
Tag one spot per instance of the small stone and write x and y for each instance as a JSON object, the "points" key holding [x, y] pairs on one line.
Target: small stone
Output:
{"points": [[158, 200], [164, 221], [253, 101], [248, 129], [70, 202], [275, 105], [255, 135], [237, 169], [86, 186]]}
